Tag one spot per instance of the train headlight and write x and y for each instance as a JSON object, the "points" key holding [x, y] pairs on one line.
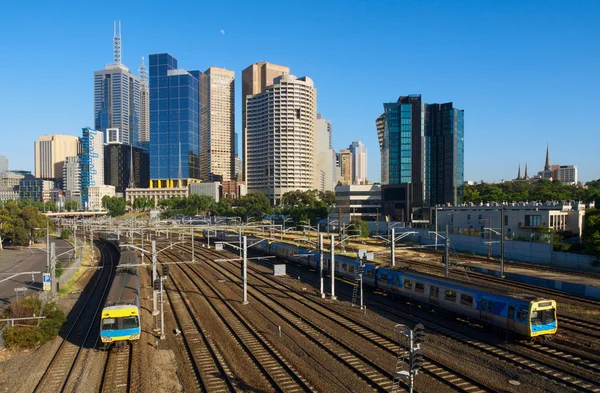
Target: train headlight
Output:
{"points": [[134, 336], [106, 339]]}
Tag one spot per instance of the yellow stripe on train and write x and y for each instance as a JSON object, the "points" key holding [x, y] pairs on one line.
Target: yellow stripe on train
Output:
{"points": [[119, 313]]}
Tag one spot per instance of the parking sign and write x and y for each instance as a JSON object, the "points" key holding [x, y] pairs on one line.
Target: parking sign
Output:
{"points": [[46, 281]]}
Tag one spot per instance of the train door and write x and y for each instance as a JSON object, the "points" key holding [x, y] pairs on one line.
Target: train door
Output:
{"points": [[486, 310], [510, 317], [434, 294]]}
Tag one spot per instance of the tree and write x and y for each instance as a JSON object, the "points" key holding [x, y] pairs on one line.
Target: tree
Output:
{"points": [[591, 232], [358, 227], [66, 234], [71, 206], [18, 225], [114, 205]]}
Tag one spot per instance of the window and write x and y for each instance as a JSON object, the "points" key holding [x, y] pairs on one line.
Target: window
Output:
{"points": [[450, 295], [407, 284], [489, 306], [533, 221], [345, 267], [396, 281], [130, 323], [434, 291], [511, 312], [505, 220], [109, 324], [483, 305], [419, 287], [543, 317], [466, 300], [351, 269], [369, 273]]}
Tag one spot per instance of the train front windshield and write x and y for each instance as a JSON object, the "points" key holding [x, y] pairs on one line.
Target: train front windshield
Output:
{"points": [[120, 323], [543, 317]]}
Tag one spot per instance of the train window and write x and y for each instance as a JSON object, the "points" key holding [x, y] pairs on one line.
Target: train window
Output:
{"points": [[369, 273], [130, 323], [511, 312], [345, 267], [434, 291], [450, 295], [351, 269], [109, 324], [419, 287], [466, 300], [396, 281], [483, 305], [407, 284], [384, 277], [489, 306]]}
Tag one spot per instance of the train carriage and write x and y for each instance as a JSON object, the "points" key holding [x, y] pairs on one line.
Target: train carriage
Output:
{"points": [[120, 318]]}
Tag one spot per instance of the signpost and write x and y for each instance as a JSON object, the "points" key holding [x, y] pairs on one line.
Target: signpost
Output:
{"points": [[47, 283]]}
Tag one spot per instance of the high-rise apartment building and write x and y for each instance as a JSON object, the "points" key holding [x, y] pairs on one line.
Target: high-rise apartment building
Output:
{"points": [[3, 164], [422, 155], [325, 156], [280, 137], [72, 179], [359, 162], [174, 123], [117, 97], [144, 105], [92, 162], [255, 80], [50, 152], [346, 167], [217, 124]]}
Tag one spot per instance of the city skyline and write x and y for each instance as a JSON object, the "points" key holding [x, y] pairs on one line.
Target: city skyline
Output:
{"points": [[493, 59]]}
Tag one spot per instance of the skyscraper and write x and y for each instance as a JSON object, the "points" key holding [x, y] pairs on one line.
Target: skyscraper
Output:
{"points": [[117, 97], [325, 170], [422, 155], [144, 105], [280, 137], [174, 123], [50, 152], [121, 162], [3, 164], [359, 162], [92, 162], [255, 80], [72, 179], [217, 124], [346, 167]]}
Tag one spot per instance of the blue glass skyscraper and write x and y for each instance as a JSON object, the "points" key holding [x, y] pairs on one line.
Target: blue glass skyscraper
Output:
{"points": [[174, 123]]}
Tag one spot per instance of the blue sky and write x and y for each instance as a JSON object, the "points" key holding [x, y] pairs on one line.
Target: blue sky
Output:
{"points": [[525, 72]]}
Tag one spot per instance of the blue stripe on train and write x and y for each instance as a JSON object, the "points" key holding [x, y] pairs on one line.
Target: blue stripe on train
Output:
{"points": [[119, 332]]}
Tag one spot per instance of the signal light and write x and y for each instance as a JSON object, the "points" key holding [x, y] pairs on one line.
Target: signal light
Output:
{"points": [[157, 285], [418, 335], [165, 270], [416, 362]]}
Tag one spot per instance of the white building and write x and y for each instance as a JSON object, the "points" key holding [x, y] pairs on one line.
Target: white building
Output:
{"points": [[359, 162], [209, 189], [567, 174], [357, 201], [72, 179], [325, 156], [95, 195], [280, 137]]}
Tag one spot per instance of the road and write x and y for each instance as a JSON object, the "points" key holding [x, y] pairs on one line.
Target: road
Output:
{"points": [[25, 260]]}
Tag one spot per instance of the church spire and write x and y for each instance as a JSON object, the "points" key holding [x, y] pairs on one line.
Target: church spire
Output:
{"points": [[519, 174], [526, 174], [547, 166]]}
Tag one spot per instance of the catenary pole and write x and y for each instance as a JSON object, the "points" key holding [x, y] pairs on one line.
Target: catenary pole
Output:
{"points": [[322, 292], [245, 271], [332, 263], [393, 245]]}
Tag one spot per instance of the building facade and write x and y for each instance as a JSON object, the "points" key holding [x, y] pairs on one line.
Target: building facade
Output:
{"points": [[50, 152], [325, 156], [357, 202], [117, 97], [346, 167], [92, 162], [280, 137], [156, 194], [174, 123], [126, 166], [72, 179], [217, 123], [212, 189], [255, 80], [35, 189], [359, 162], [144, 105], [422, 155], [95, 195], [3, 164]]}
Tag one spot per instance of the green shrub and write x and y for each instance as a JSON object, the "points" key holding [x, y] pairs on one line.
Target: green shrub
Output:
{"points": [[66, 234], [58, 269]]}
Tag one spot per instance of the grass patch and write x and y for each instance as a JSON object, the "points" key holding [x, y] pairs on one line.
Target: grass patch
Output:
{"points": [[73, 282]]}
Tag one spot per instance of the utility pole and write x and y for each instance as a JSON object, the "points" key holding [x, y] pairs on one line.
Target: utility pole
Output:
{"points": [[332, 263], [502, 244], [193, 241], [154, 275], [162, 310], [436, 228], [446, 252], [393, 245], [245, 272], [52, 271], [321, 264]]}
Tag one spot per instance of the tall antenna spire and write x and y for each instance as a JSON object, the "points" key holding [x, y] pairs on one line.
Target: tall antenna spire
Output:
{"points": [[143, 71], [117, 42], [526, 173], [180, 171], [131, 174], [547, 166]]}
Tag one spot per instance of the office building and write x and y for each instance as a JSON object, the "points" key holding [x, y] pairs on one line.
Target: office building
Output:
{"points": [[126, 166], [233, 189], [9, 181], [346, 167], [117, 98], [280, 137], [359, 162], [324, 156], [3, 164], [95, 195], [50, 152], [35, 189], [211, 189], [174, 123], [217, 124], [422, 156], [255, 80], [144, 105], [92, 162], [356, 202], [72, 179]]}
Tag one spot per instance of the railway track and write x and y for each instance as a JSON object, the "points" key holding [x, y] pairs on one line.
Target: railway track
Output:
{"points": [[61, 367], [568, 378], [269, 362], [117, 375], [436, 370]]}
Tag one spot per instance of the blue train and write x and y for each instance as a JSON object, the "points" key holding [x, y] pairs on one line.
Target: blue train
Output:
{"points": [[524, 314], [120, 318]]}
